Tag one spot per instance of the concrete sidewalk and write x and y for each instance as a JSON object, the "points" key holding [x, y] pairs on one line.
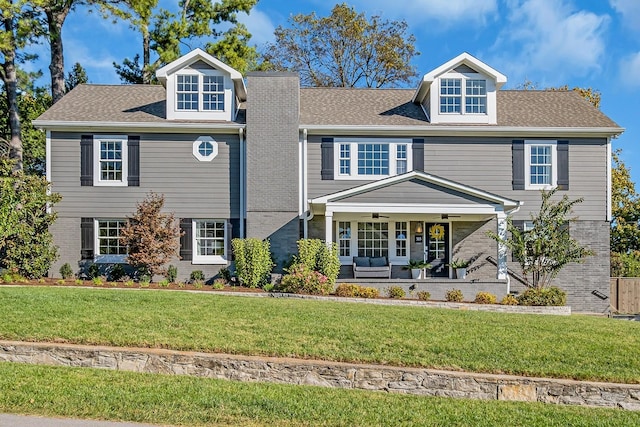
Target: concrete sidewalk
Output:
{"points": [[9, 420]]}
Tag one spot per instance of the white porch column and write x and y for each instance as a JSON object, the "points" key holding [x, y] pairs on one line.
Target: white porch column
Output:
{"points": [[502, 248], [328, 228]]}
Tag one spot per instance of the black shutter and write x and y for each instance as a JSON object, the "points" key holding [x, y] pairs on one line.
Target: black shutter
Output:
{"points": [[519, 224], [186, 244], [563, 165], [86, 160], [86, 238], [327, 158], [418, 154], [517, 151], [133, 173]]}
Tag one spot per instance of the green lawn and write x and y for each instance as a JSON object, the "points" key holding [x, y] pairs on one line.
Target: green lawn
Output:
{"points": [[180, 400], [580, 347]]}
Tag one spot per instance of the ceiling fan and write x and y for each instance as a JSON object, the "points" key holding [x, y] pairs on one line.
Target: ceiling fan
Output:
{"points": [[375, 215], [447, 216]]}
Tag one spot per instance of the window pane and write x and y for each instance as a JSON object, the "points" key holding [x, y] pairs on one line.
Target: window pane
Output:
{"points": [[187, 92], [540, 165], [401, 239], [109, 238], [373, 159], [450, 95], [345, 159], [344, 238], [373, 239], [213, 93], [209, 237]]}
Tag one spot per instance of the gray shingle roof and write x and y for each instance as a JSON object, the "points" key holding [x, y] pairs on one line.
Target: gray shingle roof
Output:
{"points": [[332, 107]]}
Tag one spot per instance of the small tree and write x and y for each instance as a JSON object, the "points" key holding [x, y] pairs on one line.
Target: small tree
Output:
{"points": [[253, 261], [153, 237], [547, 247], [316, 255], [26, 245]]}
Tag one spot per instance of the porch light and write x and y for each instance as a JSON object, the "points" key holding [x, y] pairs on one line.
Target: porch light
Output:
{"points": [[419, 228]]}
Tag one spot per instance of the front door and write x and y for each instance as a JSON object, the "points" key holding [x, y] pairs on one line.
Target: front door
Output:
{"points": [[436, 247]]}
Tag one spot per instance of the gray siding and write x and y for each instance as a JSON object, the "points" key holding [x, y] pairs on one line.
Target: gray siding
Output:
{"points": [[192, 188], [413, 191], [485, 163]]}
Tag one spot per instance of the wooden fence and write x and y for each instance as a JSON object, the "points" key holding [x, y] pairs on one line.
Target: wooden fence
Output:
{"points": [[625, 295]]}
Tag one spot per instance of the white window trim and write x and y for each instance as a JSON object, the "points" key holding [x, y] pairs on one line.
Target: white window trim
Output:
{"points": [[201, 75], [527, 164], [105, 259], [97, 139], [353, 152], [463, 93], [208, 259], [196, 148]]}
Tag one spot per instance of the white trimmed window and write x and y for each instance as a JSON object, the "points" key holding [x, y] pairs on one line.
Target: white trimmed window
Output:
{"points": [[200, 92], [205, 148], [401, 239], [209, 241], [344, 238], [187, 92], [540, 164], [110, 160], [371, 159], [452, 96], [107, 241], [373, 239], [213, 93]]}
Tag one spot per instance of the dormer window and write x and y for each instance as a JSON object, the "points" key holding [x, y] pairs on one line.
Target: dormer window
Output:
{"points": [[188, 91], [452, 96]]}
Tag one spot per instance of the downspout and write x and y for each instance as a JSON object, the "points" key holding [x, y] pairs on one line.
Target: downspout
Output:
{"points": [[306, 212], [242, 182], [609, 184], [47, 166]]}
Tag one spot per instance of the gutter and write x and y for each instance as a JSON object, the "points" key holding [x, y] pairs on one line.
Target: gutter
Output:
{"points": [[465, 130], [151, 127]]}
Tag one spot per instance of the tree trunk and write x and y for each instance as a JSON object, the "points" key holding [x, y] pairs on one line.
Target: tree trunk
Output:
{"points": [[56, 14], [146, 57], [11, 87]]}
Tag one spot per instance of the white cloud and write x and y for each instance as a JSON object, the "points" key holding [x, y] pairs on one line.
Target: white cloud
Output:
{"points": [[630, 70], [445, 12], [630, 11], [259, 25], [550, 38]]}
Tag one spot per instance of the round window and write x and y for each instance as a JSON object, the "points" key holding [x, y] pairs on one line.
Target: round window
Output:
{"points": [[205, 148]]}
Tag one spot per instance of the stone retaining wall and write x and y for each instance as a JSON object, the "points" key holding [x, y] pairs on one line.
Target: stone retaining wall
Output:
{"points": [[426, 382]]}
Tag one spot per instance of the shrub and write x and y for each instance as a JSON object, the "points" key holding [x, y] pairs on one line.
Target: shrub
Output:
{"points": [[356, 291], [225, 274], [302, 280], [368, 292], [153, 237], [316, 255], [485, 298], [218, 284], [164, 283], [26, 245], [128, 283], [509, 300], [97, 281], [454, 295], [144, 279], [196, 275], [93, 271], [253, 261], [347, 290], [117, 272], [172, 273], [396, 292], [79, 282], [65, 271], [198, 284], [424, 295], [269, 287], [60, 282], [551, 296]]}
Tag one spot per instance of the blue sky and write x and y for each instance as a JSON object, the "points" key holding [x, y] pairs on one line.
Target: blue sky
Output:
{"points": [[586, 43]]}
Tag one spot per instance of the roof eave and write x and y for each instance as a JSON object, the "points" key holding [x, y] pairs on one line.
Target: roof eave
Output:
{"points": [[151, 127], [464, 130]]}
